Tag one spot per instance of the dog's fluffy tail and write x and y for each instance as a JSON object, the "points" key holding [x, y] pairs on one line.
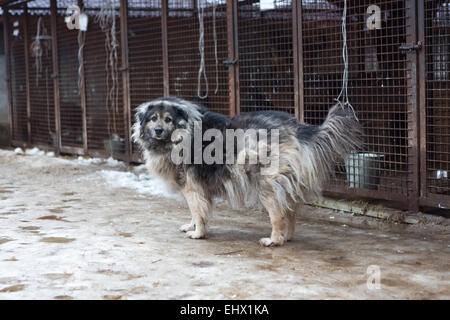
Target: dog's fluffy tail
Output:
{"points": [[338, 136]]}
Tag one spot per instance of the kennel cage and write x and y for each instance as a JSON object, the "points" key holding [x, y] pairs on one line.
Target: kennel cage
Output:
{"points": [[75, 92]]}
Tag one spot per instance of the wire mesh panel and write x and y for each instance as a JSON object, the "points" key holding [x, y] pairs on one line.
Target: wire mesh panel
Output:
{"points": [[17, 75], [144, 53], [186, 50], [102, 60], [68, 78], [377, 85], [437, 56], [41, 69], [266, 70]]}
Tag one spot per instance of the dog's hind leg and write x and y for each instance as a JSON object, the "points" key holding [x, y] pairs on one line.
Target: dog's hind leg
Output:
{"points": [[278, 221], [200, 206]]}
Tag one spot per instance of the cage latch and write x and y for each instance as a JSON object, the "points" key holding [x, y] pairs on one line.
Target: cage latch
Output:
{"points": [[230, 62], [411, 46]]}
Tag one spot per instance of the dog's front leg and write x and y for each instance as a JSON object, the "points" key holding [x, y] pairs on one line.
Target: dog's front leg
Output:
{"points": [[200, 207], [188, 227]]}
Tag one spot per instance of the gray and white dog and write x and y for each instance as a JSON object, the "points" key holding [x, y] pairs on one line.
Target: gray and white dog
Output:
{"points": [[305, 157]]}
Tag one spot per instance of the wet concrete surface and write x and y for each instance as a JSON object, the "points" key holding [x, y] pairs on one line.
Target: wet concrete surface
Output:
{"points": [[67, 233]]}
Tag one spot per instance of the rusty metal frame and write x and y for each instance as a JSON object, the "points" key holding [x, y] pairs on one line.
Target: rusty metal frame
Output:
{"points": [[297, 44], [8, 70], [83, 98], [165, 45], [55, 74], [412, 116], [422, 102], [27, 70], [125, 77], [233, 58], [426, 198]]}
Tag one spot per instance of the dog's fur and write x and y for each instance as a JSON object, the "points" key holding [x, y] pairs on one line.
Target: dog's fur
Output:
{"points": [[306, 154]]}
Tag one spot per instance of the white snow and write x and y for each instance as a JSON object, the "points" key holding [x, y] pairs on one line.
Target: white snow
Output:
{"points": [[138, 180], [142, 183], [34, 152]]}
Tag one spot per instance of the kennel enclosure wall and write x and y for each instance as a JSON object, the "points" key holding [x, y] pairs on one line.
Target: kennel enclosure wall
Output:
{"points": [[258, 55]]}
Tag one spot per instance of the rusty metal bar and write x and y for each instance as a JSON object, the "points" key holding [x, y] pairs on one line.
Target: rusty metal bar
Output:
{"points": [[165, 45], [412, 115], [83, 97], [366, 193], [297, 47], [231, 58], [436, 201], [125, 77], [422, 101], [8, 70], [27, 71], [72, 150], [55, 75], [235, 39]]}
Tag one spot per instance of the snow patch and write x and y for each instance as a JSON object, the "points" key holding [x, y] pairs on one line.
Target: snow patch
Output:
{"points": [[142, 183], [18, 151], [34, 152]]}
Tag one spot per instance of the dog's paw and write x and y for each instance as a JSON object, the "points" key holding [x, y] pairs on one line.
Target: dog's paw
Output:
{"points": [[266, 242], [195, 234], [269, 242], [187, 227]]}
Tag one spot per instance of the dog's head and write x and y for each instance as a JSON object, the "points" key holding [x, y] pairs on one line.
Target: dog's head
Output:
{"points": [[157, 120]]}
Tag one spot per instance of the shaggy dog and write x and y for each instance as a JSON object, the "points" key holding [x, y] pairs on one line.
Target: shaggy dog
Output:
{"points": [[299, 158]]}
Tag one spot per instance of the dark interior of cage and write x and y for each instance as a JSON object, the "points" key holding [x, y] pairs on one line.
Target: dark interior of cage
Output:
{"points": [[437, 59]]}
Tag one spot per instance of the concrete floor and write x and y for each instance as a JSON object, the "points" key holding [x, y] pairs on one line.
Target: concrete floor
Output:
{"points": [[67, 231]]}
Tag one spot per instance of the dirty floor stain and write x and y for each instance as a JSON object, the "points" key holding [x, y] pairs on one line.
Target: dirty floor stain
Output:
{"points": [[125, 244]]}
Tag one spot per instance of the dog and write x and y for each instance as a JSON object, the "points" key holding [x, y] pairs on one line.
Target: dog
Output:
{"points": [[305, 157]]}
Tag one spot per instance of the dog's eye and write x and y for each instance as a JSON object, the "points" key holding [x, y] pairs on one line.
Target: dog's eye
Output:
{"points": [[154, 118], [168, 119]]}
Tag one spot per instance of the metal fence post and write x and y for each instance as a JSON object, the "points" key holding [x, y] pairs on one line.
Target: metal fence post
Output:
{"points": [[422, 101], [297, 44], [27, 71], [125, 77], [413, 105], [8, 70], [55, 75], [165, 45], [83, 97], [232, 58]]}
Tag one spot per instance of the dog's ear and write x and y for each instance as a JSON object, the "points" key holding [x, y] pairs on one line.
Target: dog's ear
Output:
{"points": [[142, 113], [181, 113], [140, 117]]}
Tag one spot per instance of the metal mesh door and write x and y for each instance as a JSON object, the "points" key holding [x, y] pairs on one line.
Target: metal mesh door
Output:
{"points": [[145, 58], [39, 47], [69, 94], [266, 70], [437, 69], [185, 52], [17, 75], [377, 87], [104, 102]]}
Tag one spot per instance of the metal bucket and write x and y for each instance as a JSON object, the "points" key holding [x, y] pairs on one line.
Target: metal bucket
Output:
{"points": [[363, 170], [114, 145]]}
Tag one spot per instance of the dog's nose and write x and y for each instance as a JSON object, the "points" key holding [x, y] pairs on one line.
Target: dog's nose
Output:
{"points": [[158, 131]]}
